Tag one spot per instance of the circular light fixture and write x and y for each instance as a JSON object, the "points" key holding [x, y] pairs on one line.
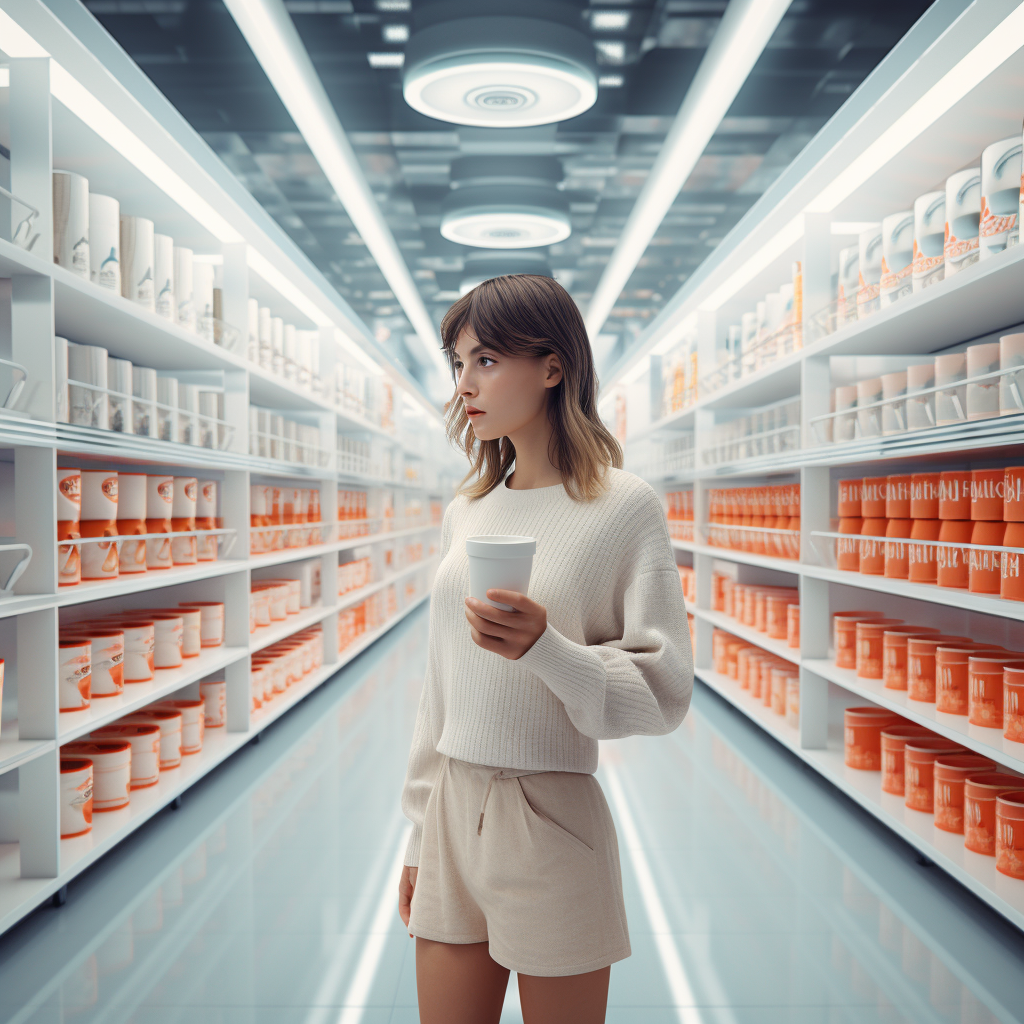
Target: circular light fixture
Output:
{"points": [[500, 72]]}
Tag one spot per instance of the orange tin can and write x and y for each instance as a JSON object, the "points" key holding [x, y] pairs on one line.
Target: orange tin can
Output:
{"points": [[980, 794], [1013, 703], [862, 729], [951, 771], [1010, 834], [985, 688], [894, 653], [919, 769], [894, 739]]}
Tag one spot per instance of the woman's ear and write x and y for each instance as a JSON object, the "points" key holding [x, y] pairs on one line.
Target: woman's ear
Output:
{"points": [[552, 370]]}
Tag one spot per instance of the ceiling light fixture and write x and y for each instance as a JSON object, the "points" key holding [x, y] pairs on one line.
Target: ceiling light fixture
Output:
{"points": [[742, 35], [505, 203], [612, 49], [392, 59], [273, 39], [609, 21], [499, 71], [395, 33], [610, 81]]}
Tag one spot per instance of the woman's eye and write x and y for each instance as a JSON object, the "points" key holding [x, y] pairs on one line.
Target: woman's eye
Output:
{"points": [[488, 358]]}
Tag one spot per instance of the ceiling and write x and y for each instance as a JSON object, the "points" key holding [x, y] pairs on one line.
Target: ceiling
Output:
{"points": [[647, 51]]}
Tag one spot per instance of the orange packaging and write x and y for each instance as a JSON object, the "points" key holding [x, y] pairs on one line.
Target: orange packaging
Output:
{"points": [[1013, 703], [1010, 834], [896, 565], [780, 680], [987, 494], [777, 614], [75, 796], [984, 572], [952, 670], [980, 793], [1011, 580], [951, 772], [793, 700], [921, 664], [1013, 494], [894, 654], [924, 496], [922, 559], [872, 552], [850, 494], [897, 497], [767, 668], [954, 564], [844, 635], [793, 626], [145, 741], [848, 551], [894, 739], [862, 730], [919, 769], [872, 497], [985, 688], [743, 667], [869, 640], [955, 494]]}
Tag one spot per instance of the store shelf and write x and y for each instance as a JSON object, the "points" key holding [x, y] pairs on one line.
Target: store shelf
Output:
{"points": [[777, 647], [747, 558], [988, 742], [974, 871], [15, 752], [352, 597], [106, 710], [267, 635]]}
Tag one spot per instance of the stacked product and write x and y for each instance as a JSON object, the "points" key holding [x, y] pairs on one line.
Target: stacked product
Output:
{"points": [[680, 514], [679, 390], [652, 457], [688, 581], [762, 433], [367, 396], [963, 792], [770, 680], [977, 383], [124, 255], [353, 516], [121, 506], [273, 600], [283, 349], [760, 520], [283, 517], [366, 616], [100, 656], [285, 663], [363, 458], [274, 436], [356, 572], [882, 517], [774, 611]]}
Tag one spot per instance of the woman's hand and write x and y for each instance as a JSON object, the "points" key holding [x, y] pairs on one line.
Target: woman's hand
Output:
{"points": [[510, 634], [405, 890]]}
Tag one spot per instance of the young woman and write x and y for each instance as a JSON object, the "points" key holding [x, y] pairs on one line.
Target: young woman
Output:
{"points": [[513, 863]]}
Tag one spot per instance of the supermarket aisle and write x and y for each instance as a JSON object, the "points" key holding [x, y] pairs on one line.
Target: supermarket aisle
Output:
{"points": [[754, 896]]}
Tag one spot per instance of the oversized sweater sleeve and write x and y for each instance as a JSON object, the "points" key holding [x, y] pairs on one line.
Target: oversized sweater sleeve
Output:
{"points": [[424, 760], [638, 681]]}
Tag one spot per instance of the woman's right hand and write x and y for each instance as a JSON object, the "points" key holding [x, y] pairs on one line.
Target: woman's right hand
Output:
{"points": [[406, 887]]}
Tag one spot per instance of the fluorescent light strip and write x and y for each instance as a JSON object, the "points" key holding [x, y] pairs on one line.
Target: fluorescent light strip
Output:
{"points": [[998, 46], [273, 39], [259, 264], [366, 970], [683, 996], [15, 41], [745, 29]]}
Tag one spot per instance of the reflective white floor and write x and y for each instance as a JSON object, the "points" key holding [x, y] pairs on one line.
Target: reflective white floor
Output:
{"points": [[755, 894]]}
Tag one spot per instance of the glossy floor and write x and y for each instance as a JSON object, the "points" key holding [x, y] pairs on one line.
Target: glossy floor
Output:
{"points": [[755, 894]]}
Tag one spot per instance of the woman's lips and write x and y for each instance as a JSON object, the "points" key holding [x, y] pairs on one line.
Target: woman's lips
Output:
{"points": [[474, 412]]}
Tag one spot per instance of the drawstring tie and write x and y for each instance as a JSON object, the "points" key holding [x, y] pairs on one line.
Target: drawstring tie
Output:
{"points": [[503, 773]]}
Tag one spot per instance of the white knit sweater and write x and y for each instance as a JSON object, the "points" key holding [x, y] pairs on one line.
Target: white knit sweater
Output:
{"points": [[614, 660]]}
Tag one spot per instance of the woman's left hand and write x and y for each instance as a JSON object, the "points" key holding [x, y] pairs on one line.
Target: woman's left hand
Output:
{"points": [[510, 634]]}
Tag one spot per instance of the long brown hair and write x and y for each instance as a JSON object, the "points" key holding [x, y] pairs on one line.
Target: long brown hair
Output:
{"points": [[529, 315]]}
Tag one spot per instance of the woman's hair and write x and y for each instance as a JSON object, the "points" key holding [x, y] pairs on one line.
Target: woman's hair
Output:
{"points": [[528, 315]]}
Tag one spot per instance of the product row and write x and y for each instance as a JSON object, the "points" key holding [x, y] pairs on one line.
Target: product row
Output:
{"points": [[769, 679], [774, 611], [772, 430], [679, 512], [109, 519], [663, 456], [759, 520], [962, 529], [273, 599], [284, 664], [283, 517], [963, 792], [275, 436], [95, 389], [976, 383]]}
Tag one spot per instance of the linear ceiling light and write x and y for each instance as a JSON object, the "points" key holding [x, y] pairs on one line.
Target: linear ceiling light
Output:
{"points": [[271, 35], [745, 29]]}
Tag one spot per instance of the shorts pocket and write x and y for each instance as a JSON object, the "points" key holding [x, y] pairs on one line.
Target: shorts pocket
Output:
{"points": [[552, 826]]}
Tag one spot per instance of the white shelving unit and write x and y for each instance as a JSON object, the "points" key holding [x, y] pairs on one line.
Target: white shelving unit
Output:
{"points": [[59, 107], [951, 87]]}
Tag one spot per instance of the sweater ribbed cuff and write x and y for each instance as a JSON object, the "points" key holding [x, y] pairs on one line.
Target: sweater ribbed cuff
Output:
{"points": [[412, 851], [564, 665]]}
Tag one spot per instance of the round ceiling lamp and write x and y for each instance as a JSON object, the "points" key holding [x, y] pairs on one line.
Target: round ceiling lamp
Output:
{"points": [[482, 266], [500, 72], [505, 203]]}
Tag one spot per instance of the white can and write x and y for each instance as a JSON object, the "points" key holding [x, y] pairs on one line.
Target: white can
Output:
{"points": [[202, 298], [211, 621], [963, 215], [869, 252], [929, 239], [106, 658], [499, 561], [69, 495], [75, 797], [163, 276], [193, 722], [183, 288], [215, 695], [145, 743], [191, 634], [74, 660], [139, 650], [137, 261], [1000, 196], [88, 406], [105, 242], [144, 389], [159, 503], [111, 770], [71, 222], [169, 721], [897, 257]]}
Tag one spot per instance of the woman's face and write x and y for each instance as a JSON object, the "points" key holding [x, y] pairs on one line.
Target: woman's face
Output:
{"points": [[501, 393]]}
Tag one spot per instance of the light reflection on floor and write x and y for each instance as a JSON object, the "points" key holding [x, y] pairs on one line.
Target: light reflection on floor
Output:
{"points": [[755, 894]]}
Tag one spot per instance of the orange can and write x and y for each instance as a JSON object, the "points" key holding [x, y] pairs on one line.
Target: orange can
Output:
{"points": [[985, 688], [955, 494], [921, 664], [1011, 578], [1010, 834], [743, 667], [844, 627], [862, 732], [951, 678], [985, 566], [980, 794], [850, 492], [777, 610], [924, 496], [848, 551], [919, 767], [1013, 494], [780, 681], [922, 559], [872, 497], [953, 563], [1013, 703], [897, 554], [869, 639], [793, 626], [894, 653], [951, 771], [987, 494], [872, 552], [894, 739], [897, 497]]}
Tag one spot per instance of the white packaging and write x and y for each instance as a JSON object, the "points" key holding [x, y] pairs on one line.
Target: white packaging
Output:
{"points": [[1000, 196], [188, 415], [60, 373], [202, 298], [163, 275], [266, 342], [88, 407], [144, 389], [71, 222], [215, 693], [848, 285], [277, 345], [75, 797], [137, 261], [869, 276], [105, 242], [896, 279], [167, 413], [183, 288], [253, 321], [963, 214], [502, 562], [119, 381], [929, 240]]}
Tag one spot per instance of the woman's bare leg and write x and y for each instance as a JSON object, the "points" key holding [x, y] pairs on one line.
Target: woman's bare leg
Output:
{"points": [[580, 998], [459, 984]]}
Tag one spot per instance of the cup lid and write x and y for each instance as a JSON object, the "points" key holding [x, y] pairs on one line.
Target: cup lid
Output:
{"points": [[501, 546]]}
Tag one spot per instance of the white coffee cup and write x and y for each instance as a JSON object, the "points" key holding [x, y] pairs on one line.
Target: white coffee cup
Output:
{"points": [[499, 562]]}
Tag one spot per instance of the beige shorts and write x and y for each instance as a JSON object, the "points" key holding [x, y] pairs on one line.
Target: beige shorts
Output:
{"points": [[527, 862]]}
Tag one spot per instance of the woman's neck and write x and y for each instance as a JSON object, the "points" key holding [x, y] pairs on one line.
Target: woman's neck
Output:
{"points": [[533, 467]]}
